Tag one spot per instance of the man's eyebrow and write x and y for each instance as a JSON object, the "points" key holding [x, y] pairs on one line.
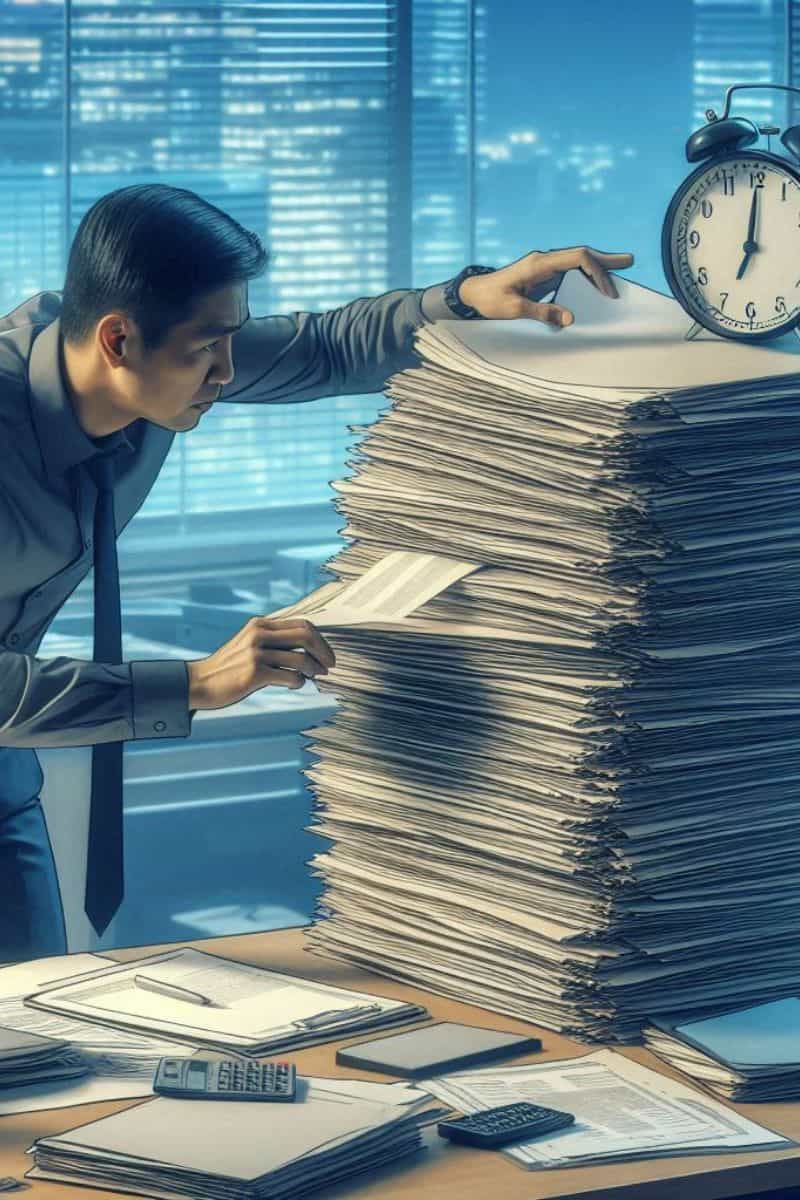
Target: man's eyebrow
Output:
{"points": [[217, 330]]}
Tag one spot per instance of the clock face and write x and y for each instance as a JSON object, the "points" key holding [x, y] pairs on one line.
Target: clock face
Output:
{"points": [[731, 246]]}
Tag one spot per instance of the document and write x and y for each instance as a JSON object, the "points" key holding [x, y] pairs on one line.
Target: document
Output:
{"points": [[389, 591], [622, 1110], [206, 1000], [121, 1064]]}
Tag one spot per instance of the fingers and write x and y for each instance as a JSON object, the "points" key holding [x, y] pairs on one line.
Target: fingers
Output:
{"points": [[300, 661], [555, 316], [289, 632], [593, 264]]}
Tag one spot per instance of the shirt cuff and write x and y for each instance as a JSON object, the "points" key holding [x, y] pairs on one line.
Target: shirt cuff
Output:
{"points": [[434, 306], [160, 699]]}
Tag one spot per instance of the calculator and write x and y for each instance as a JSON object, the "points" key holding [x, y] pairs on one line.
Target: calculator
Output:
{"points": [[225, 1079], [509, 1123]]}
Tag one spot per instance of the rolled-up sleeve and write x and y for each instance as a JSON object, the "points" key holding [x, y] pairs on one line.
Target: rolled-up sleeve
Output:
{"points": [[352, 349], [71, 702]]}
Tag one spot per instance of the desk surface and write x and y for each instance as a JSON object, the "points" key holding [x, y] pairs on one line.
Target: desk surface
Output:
{"points": [[444, 1171]]}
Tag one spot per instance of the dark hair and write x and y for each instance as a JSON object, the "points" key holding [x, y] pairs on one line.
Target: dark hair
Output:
{"points": [[152, 251]]}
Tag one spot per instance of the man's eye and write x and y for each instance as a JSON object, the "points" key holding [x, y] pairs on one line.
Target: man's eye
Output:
{"points": [[210, 345]]}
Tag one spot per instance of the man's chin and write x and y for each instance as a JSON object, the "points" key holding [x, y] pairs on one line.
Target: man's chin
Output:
{"points": [[181, 422]]}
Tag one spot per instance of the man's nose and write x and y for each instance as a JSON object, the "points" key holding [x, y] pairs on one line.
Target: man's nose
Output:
{"points": [[224, 371]]}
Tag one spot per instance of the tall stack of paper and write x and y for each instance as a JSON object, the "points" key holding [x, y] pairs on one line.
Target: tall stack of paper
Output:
{"points": [[565, 787]]}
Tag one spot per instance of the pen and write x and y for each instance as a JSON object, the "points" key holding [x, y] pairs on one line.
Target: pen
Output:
{"points": [[170, 989], [333, 1015]]}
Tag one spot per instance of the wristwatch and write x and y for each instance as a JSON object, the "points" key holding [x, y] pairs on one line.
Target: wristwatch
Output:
{"points": [[451, 297]]}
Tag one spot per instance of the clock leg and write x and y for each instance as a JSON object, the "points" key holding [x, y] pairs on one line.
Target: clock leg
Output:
{"points": [[693, 332], [797, 330]]}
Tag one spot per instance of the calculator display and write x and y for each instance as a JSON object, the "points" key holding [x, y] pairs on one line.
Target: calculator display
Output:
{"points": [[197, 1075]]}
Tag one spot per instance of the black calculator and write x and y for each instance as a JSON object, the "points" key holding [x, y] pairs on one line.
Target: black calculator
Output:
{"points": [[509, 1123], [225, 1079]]}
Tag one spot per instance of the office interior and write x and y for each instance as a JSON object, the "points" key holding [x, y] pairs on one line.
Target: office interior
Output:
{"points": [[385, 144]]}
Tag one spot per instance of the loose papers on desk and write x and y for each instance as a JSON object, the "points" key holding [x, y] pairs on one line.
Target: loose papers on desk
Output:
{"points": [[252, 1010], [748, 1054], [237, 1150], [564, 785], [117, 1064], [622, 1111]]}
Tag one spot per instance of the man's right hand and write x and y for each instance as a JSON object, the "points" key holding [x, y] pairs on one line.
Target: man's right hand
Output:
{"points": [[284, 651]]}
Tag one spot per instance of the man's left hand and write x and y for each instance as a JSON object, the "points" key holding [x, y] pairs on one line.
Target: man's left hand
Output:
{"points": [[506, 293]]}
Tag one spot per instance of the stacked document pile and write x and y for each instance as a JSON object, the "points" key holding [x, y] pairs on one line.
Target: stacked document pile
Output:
{"points": [[561, 780], [235, 1150], [750, 1054], [27, 1058]]}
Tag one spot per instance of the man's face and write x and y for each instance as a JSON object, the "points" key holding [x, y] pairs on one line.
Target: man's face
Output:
{"points": [[174, 385]]}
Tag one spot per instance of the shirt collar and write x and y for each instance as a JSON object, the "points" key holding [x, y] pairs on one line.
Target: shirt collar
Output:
{"points": [[62, 441]]}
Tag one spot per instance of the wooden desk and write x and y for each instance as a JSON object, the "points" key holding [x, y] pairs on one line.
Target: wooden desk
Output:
{"points": [[444, 1171]]}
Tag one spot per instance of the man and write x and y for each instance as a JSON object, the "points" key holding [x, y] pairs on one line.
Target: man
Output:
{"points": [[94, 384]]}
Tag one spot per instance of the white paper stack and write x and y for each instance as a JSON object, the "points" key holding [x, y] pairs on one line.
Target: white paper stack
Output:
{"points": [[564, 787], [238, 1150]]}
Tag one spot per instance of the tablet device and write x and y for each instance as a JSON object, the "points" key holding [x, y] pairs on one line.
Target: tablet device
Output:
{"points": [[435, 1049]]}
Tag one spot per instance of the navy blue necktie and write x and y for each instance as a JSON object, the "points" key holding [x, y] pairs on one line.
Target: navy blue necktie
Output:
{"points": [[104, 868]]}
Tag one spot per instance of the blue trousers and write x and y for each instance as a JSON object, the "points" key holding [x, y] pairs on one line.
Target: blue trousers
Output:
{"points": [[31, 914]]}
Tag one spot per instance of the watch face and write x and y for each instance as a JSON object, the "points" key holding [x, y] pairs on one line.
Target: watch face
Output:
{"points": [[731, 246]]}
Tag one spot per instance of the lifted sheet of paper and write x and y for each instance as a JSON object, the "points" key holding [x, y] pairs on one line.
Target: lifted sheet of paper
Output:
{"points": [[391, 589]]}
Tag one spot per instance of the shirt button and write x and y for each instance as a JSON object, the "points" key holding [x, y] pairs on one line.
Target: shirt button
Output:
{"points": [[88, 543], [13, 639], [160, 726]]}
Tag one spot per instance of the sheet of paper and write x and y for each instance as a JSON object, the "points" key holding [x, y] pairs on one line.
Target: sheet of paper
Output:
{"points": [[623, 1110], [650, 325], [19, 979], [65, 1093], [395, 586]]}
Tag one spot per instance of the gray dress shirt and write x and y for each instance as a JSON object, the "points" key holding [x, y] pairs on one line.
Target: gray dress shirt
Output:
{"points": [[47, 498]]}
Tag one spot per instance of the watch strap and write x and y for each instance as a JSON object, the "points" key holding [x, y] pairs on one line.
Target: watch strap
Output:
{"points": [[451, 297]]}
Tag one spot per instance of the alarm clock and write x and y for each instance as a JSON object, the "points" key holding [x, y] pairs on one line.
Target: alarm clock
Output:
{"points": [[730, 242]]}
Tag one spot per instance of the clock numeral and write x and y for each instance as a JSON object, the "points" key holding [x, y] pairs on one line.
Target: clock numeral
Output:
{"points": [[724, 298], [728, 183], [780, 304], [694, 239], [757, 179], [706, 208], [702, 277], [783, 190], [750, 310]]}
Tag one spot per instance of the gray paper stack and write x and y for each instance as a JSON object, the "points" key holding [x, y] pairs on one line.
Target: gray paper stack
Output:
{"points": [[565, 787], [237, 1150]]}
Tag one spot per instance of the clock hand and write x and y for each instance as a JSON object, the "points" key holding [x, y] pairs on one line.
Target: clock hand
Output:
{"points": [[751, 228], [750, 246]]}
